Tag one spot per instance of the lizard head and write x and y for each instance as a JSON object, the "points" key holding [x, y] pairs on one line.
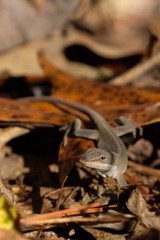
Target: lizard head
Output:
{"points": [[103, 162], [98, 159]]}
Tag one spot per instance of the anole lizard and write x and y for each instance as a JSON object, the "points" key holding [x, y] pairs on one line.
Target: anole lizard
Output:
{"points": [[110, 157]]}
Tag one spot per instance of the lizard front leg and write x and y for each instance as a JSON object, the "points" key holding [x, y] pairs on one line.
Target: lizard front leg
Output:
{"points": [[74, 129]]}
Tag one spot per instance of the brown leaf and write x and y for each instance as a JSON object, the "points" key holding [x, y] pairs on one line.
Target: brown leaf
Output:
{"points": [[139, 104], [23, 113], [110, 101], [114, 101], [69, 155], [137, 205]]}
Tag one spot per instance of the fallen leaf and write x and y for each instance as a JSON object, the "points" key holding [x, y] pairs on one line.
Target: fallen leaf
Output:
{"points": [[23, 113], [27, 23], [70, 154], [139, 104], [105, 20], [137, 205]]}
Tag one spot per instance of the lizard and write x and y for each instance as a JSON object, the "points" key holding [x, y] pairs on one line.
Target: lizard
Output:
{"points": [[109, 158]]}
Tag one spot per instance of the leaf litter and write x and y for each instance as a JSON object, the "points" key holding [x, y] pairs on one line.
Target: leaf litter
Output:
{"points": [[55, 195]]}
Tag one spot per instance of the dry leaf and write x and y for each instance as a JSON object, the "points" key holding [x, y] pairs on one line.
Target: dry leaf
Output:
{"points": [[137, 205], [24, 23]]}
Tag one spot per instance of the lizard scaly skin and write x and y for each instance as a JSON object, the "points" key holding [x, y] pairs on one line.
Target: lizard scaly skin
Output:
{"points": [[109, 158]]}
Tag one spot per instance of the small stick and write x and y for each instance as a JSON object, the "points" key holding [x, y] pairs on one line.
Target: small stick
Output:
{"points": [[113, 219], [137, 71], [62, 213], [145, 169]]}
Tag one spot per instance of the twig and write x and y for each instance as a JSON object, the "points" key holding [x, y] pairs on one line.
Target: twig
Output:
{"points": [[96, 207], [60, 194], [145, 169], [113, 219], [137, 71], [9, 133]]}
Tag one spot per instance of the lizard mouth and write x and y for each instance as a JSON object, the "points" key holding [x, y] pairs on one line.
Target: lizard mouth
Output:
{"points": [[96, 165]]}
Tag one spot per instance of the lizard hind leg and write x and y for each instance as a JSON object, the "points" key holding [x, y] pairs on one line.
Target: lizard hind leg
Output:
{"points": [[127, 127]]}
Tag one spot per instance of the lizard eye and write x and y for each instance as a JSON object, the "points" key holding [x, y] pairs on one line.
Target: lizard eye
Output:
{"points": [[103, 158]]}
